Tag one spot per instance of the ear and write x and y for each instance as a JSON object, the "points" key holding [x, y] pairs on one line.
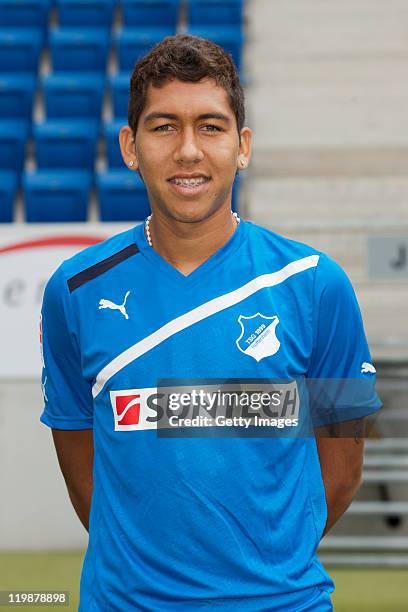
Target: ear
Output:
{"points": [[245, 148], [128, 148]]}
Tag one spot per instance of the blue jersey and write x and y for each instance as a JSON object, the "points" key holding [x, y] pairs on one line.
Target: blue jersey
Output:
{"points": [[207, 522]]}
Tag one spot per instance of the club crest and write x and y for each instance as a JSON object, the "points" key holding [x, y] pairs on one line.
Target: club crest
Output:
{"points": [[258, 336]]}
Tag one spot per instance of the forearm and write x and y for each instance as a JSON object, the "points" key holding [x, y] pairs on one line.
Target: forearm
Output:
{"points": [[81, 497], [341, 463], [75, 457], [338, 500]]}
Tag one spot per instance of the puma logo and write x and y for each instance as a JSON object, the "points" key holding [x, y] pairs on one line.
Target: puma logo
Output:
{"points": [[367, 367], [121, 307]]}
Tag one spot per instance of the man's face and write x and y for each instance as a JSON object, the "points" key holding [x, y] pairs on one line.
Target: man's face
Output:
{"points": [[187, 132]]}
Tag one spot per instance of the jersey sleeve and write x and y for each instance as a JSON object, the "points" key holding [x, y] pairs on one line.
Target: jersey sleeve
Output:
{"points": [[68, 402], [341, 374]]}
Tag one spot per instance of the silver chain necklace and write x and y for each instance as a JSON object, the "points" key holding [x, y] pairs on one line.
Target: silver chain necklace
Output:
{"points": [[147, 223]]}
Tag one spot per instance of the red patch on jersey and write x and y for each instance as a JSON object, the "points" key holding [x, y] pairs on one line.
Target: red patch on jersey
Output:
{"points": [[127, 409]]}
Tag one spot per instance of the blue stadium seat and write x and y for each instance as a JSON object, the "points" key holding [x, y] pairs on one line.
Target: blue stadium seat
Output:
{"points": [[230, 38], [73, 95], [66, 143], [132, 43], [24, 13], [122, 196], [113, 154], [16, 95], [156, 13], [20, 49], [13, 137], [8, 188], [56, 195], [119, 89], [85, 13], [221, 12], [79, 49]]}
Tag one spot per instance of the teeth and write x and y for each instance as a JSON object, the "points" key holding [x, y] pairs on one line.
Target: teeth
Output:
{"points": [[189, 182]]}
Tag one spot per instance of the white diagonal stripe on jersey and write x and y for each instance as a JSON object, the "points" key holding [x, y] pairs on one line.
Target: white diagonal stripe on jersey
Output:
{"points": [[199, 314]]}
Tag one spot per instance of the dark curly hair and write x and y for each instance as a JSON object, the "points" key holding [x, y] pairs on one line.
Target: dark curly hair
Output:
{"points": [[189, 59]]}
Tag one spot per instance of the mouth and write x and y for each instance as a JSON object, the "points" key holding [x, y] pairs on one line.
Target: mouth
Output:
{"points": [[190, 186]]}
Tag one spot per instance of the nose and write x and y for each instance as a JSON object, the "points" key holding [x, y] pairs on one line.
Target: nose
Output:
{"points": [[188, 150]]}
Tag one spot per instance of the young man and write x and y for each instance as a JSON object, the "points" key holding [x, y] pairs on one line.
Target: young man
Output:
{"points": [[213, 521]]}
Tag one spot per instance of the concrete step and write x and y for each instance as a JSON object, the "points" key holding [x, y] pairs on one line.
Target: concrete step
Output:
{"points": [[387, 524], [386, 445], [304, 75], [385, 476], [329, 199], [343, 154], [364, 543], [320, 29], [378, 507], [387, 461], [360, 560]]}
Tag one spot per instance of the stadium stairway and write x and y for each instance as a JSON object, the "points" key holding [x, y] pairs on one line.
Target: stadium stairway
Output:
{"points": [[374, 529], [326, 99]]}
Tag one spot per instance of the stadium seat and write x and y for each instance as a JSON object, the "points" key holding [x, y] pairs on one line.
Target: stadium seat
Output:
{"points": [[85, 13], [119, 84], [230, 38], [66, 143], [20, 49], [56, 195], [73, 95], [24, 13], [132, 43], [13, 137], [111, 133], [16, 95], [122, 196], [79, 49], [8, 188], [156, 13], [208, 12]]}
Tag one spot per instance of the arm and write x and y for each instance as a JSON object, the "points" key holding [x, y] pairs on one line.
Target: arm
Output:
{"points": [[75, 456], [341, 463]]}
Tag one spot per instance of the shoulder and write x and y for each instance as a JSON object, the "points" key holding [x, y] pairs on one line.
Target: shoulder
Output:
{"points": [[281, 251], [268, 243], [98, 253], [93, 259]]}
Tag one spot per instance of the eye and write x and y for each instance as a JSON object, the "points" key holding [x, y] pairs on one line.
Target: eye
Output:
{"points": [[162, 128], [213, 128]]}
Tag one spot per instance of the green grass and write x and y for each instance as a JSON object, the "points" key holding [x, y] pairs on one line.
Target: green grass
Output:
{"points": [[41, 571], [370, 590], [357, 590]]}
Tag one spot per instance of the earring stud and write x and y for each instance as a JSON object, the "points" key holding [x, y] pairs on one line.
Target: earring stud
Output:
{"points": [[131, 163], [243, 163]]}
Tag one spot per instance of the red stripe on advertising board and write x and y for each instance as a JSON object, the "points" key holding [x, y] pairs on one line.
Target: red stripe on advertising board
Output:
{"points": [[52, 241]]}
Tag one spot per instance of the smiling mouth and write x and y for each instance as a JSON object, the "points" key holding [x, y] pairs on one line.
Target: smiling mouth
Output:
{"points": [[192, 183]]}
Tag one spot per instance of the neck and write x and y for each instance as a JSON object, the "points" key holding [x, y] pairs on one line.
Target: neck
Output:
{"points": [[187, 245]]}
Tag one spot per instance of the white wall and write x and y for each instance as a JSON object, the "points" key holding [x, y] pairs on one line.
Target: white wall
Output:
{"points": [[35, 510]]}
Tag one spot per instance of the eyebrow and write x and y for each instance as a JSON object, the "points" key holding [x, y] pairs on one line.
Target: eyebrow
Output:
{"points": [[174, 117]]}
